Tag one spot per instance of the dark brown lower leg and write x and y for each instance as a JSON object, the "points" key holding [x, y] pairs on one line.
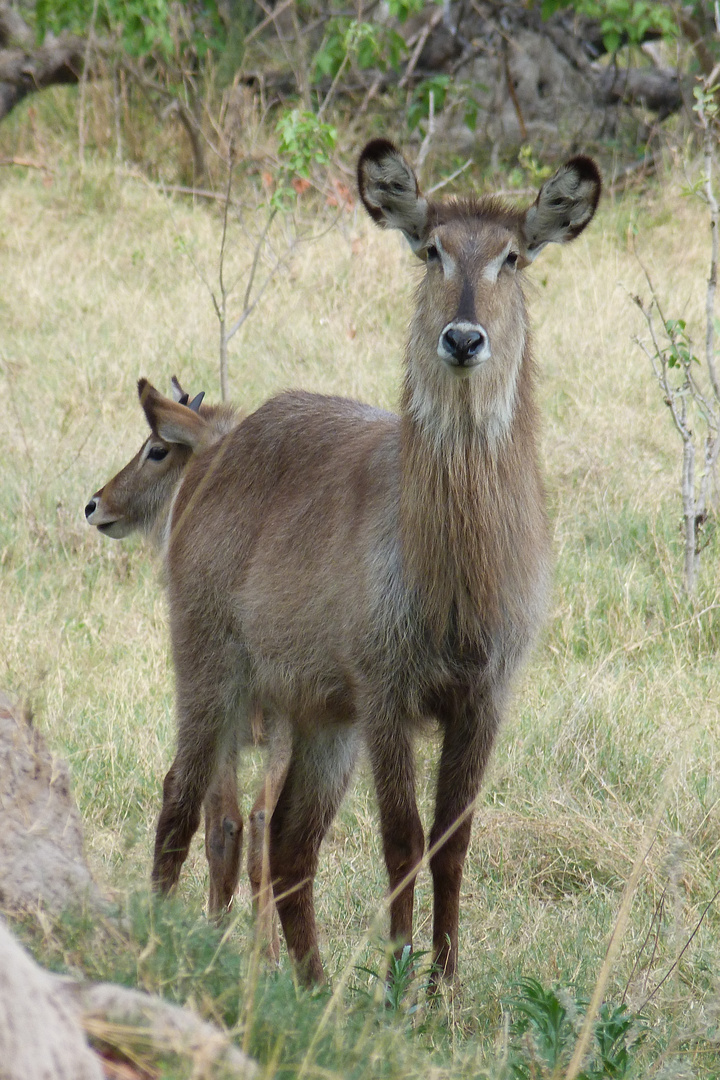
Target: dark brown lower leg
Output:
{"points": [[446, 866], [318, 774], [469, 735], [223, 834], [177, 824], [184, 789], [402, 833]]}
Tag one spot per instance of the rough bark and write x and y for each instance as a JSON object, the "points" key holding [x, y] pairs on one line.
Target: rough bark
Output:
{"points": [[41, 840], [657, 89], [45, 1020], [40, 1036]]}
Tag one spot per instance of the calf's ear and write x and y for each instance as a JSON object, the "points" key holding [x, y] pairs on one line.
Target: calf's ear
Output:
{"points": [[172, 422]]}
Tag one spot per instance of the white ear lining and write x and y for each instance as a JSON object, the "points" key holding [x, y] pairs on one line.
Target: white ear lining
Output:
{"points": [[563, 207], [391, 189]]}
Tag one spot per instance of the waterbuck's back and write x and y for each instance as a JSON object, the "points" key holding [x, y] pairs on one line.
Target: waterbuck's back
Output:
{"points": [[278, 531]]}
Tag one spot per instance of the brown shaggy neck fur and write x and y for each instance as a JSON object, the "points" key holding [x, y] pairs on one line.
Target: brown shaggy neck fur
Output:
{"points": [[472, 520]]}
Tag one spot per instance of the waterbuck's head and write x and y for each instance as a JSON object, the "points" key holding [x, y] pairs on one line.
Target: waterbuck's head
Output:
{"points": [[139, 496], [470, 323]]}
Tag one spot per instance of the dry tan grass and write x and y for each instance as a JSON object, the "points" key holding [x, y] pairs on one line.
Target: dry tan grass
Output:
{"points": [[622, 697]]}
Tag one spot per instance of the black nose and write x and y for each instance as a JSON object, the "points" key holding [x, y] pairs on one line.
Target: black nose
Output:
{"points": [[90, 508], [463, 344]]}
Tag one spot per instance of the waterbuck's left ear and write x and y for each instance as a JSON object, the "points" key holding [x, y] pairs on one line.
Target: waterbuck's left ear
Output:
{"points": [[565, 204], [390, 193]]}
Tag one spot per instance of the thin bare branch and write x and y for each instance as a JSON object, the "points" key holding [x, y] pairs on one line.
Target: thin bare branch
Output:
{"points": [[449, 179], [708, 148], [682, 952], [251, 307], [258, 247]]}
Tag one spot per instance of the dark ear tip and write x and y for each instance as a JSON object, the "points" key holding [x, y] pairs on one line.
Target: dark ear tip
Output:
{"points": [[375, 150], [142, 387], [586, 169]]}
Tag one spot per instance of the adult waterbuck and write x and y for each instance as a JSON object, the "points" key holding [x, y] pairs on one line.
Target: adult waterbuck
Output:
{"points": [[139, 498], [356, 574]]}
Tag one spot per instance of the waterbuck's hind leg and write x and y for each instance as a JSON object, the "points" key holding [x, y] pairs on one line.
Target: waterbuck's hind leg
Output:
{"points": [[469, 735], [259, 851], [318, 774], [223, 833]]}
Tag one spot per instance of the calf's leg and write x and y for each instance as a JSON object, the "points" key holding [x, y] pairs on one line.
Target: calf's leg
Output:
{"points": [[202, 736], [259, 851]]}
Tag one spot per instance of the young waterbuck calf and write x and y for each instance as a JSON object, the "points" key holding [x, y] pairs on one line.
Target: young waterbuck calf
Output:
{"points": [[354, 573], [140, 498]]}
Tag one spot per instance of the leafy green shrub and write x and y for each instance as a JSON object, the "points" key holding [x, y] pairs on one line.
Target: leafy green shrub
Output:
{"points": [[545, 1025]]}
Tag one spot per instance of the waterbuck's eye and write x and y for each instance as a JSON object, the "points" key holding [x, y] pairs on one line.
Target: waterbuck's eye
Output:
{"points": [[157, 453], [511, 260], [432, 254]]}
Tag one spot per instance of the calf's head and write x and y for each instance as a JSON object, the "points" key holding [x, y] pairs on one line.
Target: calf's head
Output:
{"points": [[138, 494]]}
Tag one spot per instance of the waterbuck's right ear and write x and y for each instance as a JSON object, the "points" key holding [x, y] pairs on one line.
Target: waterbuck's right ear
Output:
{"points": [[390, 193], [172, 422], [565, 204]]}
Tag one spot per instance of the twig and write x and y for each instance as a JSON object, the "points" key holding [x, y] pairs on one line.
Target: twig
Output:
{"points": [[83, 86], [708, 146], [425, 145], [684, 949], [449, 179], [333, 85], [657, 916], [181, 189], [23, 163], [511, 90], [419, 46], [268, 19]]}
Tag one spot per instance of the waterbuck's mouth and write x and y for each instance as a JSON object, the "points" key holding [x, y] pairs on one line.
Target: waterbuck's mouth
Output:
{"points": [[464, 369], [116, 529]]}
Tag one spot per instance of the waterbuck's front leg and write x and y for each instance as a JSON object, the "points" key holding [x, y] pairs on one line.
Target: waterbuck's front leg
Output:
{"points": [[469, 732], [320, 767], [393, 763]]}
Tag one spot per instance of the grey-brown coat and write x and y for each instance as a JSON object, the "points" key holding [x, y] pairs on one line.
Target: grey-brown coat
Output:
{"points": [[356, 573]]}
